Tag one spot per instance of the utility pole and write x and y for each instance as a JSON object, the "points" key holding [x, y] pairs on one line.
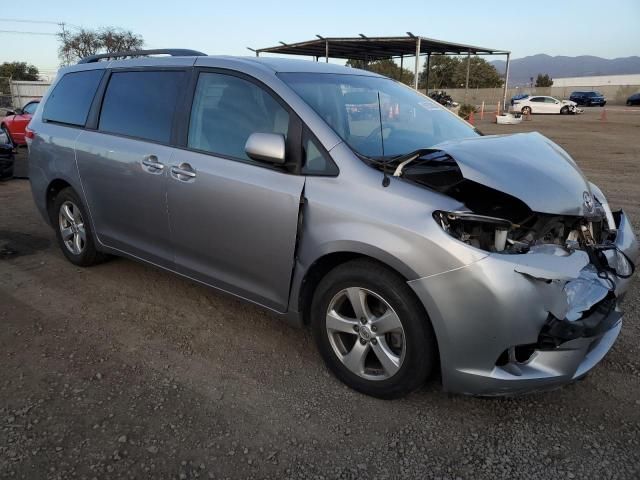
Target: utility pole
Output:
{"points": [[66, 60]]}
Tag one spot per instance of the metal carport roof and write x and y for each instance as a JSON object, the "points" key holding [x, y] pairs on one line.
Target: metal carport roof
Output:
{"points": [[378, 48]]}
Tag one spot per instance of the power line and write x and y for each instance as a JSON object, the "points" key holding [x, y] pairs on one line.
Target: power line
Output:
{"points": [[40, 22], [28, 33], [20, 20]]}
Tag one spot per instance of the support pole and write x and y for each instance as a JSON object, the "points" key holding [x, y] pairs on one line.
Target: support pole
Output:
{"points": [[466, 83], [426, 87], [401, 66], [506, 83], [326, 51], [415, 78]]}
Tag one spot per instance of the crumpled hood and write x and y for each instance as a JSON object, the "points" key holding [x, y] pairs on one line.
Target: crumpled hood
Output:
{"points": [[527, 166]]}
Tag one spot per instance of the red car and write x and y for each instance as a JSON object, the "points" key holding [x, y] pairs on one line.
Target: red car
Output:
{"points": [[14, 124]]}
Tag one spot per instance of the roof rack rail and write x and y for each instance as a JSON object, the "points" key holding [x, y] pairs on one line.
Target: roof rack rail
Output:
{"points": [[174, 52]]}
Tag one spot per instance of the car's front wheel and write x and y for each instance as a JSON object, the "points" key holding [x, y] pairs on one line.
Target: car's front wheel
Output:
{"points": [[564, 110], [526, 110], [372, 331], [73, 230]]}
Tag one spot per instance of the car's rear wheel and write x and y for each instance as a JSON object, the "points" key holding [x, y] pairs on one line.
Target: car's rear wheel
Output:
{"points": [[526, 110], [371, 330], [73, 230]]}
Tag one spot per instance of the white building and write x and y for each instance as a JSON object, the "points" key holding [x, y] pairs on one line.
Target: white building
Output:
{"points": [[597, 81]]}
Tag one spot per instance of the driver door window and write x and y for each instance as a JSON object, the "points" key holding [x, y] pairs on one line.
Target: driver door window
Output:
{"points": [[227, 110]]}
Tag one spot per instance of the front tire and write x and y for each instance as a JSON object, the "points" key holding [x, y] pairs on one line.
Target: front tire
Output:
{"points": [[371, 330], [526, 110], [73, 230], [564, 110]]}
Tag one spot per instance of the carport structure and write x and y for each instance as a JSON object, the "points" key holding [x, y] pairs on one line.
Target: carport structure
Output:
{"points": [[369, 49]]}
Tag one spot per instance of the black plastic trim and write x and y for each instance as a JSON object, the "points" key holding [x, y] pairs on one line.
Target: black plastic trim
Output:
{"points": [[174, 52]]}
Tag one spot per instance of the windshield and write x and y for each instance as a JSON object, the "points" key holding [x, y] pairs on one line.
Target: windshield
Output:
{"points": [[377, 117]]}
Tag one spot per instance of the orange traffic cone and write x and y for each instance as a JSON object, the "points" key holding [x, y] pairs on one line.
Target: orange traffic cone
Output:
{"points": [[471, 119], [603, 115]]}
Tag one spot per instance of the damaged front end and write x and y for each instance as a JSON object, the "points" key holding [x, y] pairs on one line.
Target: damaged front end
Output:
{"points": [[559, 262]]}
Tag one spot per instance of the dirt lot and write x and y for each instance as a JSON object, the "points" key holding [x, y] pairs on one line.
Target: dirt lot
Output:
{"points": [[124, 371]]}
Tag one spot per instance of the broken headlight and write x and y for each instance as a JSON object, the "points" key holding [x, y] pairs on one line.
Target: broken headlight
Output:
{"points": [[480, 231]]}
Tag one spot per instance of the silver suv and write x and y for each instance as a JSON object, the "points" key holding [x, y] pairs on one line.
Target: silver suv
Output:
{"points": [[343, 200]]}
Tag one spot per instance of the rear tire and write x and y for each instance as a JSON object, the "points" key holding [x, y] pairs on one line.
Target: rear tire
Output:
{"points": [[73, 230], [388, 350]]}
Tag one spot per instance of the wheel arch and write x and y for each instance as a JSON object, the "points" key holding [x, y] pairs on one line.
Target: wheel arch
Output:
{"points": [[54, 187], [309, 278]]}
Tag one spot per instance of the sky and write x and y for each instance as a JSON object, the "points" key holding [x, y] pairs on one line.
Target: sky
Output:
{"points": [[559, 27]]}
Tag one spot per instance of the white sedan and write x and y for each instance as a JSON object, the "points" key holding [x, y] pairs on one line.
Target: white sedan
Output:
{"points": [[542, 104]]}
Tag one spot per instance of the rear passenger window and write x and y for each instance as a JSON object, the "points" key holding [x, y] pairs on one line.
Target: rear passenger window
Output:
{"points": [[141, 104], [227, 109], [71, 98]]}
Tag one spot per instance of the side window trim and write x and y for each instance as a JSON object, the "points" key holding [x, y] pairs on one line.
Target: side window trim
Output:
{"points": [[294, 137]]}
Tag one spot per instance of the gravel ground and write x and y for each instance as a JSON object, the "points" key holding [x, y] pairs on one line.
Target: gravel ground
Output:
{"points": [[124, 371]]}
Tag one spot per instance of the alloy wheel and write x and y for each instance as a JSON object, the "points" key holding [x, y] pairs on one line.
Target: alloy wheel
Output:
{"points": [[72, 228], [365, 333]]}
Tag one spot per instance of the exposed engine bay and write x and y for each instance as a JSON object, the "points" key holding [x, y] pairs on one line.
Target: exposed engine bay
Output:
{"points": [[495, 220]]}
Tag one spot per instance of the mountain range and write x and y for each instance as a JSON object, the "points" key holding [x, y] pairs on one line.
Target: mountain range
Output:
{"points": [[522, 69]]}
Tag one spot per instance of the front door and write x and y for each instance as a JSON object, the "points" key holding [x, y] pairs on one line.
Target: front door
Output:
{"points": [[234, 221], [123, 166]]}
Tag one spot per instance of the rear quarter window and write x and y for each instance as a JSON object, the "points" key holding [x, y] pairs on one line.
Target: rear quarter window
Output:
{"points": [[71, 98]]}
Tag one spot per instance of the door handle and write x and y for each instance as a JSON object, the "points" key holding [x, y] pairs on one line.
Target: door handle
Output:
{"points": [[151, 161], [184, 172]]}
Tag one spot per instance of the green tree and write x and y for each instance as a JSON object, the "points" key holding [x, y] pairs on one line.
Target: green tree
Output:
{"points": [[85, 42], [481, 74], [451, 72], [544, 80], [19, 71], [442, 69], [386, 67]]}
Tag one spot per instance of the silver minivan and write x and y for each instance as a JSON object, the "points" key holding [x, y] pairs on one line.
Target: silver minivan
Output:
{"points": [[410, 243]]}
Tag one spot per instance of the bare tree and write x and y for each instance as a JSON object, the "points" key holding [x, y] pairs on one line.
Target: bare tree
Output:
{"points": [[120, 40], [85, 42]]}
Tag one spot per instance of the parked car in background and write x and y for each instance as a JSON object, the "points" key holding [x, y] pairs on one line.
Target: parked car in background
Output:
{"points": [[634, 99], [588, 99], [520, 96], [544, 104], [405, 239], [13, 125]]}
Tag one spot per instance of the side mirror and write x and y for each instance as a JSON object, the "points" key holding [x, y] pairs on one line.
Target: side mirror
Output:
{"points": [[266, 147], [18, 111]]}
